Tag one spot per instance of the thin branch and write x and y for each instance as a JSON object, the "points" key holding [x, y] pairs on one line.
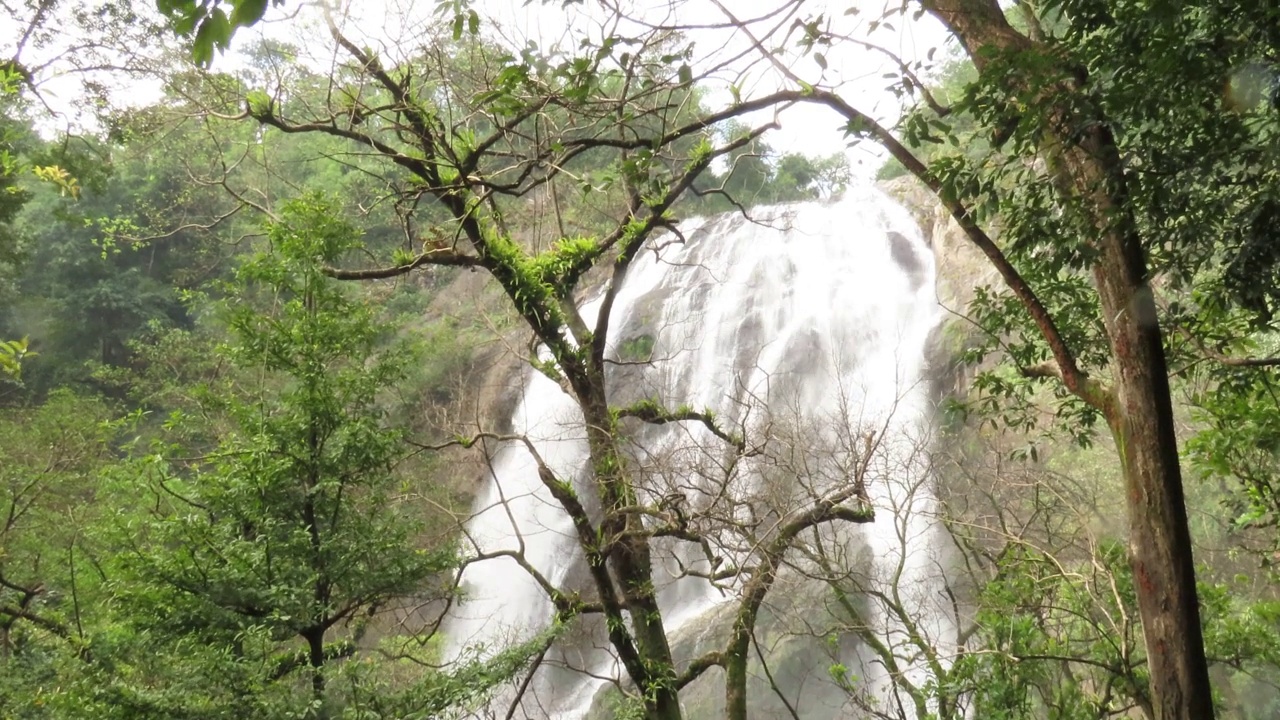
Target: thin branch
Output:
{"points": [[913, 82], [1224, 359], [524, 684], [438, 256], [764, 665]]}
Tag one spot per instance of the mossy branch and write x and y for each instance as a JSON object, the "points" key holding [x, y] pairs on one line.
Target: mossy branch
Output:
{"points": [[651, 412]]}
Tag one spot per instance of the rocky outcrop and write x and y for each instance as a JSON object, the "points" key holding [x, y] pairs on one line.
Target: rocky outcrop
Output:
{"points": [[960, 269]]}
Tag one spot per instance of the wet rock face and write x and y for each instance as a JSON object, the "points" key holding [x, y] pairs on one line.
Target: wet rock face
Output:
{"points": [[903, 252], [959, 270], [959, 267]]}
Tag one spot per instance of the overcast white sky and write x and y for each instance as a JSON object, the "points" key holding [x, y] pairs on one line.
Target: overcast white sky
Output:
{"points": [[855, 71]]}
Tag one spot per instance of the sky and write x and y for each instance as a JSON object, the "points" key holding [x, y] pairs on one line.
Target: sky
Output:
{"points": [[855, 71]]}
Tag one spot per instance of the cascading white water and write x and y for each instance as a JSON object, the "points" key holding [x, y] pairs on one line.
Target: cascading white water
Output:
{"points": [[808, 321]]}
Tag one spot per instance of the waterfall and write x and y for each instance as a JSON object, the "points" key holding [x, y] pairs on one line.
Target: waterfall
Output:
{"points": [[804, 326]]}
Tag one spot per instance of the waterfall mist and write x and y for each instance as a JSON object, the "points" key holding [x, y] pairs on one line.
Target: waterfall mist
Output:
{"points": [[802, 329]]}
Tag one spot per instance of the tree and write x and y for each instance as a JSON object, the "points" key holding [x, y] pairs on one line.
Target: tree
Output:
{"points": [[757, 175], [289, 529], [13, 134], [1102, 146], [278, 536], [44, 41]]}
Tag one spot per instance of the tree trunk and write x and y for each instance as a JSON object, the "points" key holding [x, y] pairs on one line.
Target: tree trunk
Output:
{"points": [[1159, 539], [630, 559], [315, 658], [1140, 415]]}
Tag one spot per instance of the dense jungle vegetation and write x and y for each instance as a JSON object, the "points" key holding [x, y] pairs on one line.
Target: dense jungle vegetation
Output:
{"points": [[250, 329]]}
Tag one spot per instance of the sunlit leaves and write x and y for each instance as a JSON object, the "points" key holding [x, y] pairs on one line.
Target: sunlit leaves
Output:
{"points": [[67, 185], [12, 353], [247, 12]]}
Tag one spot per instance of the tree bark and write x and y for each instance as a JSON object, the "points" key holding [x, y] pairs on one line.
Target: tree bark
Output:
{"points": [[1159, 538], [315, 658], [629, 556]]}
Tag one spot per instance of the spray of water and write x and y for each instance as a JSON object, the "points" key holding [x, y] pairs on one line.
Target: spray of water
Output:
{"points": [[806, 320]]}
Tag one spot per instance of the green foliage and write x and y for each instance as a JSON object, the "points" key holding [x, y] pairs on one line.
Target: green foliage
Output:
{"points": [[289, 528], [294, 414], [1052, 642], [11, 354], [14, 141], [1200, 173], [242, 563], [637, 349], [95, 276], [756, 175], [1055, 638], [932, 138], [50, 457], [1239, 439]]}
